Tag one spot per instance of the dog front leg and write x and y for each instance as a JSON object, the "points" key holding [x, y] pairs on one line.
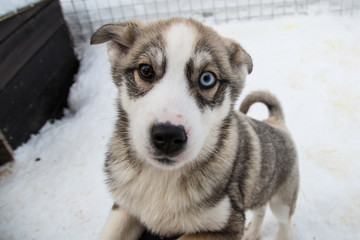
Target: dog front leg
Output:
{"points": [[121, 226], [234, 230]]}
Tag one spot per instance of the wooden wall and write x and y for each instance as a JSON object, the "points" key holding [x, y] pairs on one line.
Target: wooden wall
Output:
{"points": [[37, 64]]}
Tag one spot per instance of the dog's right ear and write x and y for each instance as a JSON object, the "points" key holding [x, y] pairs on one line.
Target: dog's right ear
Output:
{"points": [[120, 37]]}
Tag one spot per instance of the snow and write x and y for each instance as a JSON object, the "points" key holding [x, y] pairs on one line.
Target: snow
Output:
{"points": [[8, 6], [310, 62]]}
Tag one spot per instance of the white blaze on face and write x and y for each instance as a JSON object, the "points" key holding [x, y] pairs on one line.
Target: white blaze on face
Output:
{"points": [[171, 95], [170, 101]]}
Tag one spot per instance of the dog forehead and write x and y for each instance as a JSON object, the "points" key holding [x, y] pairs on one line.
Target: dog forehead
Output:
{"points": [[180, 41]]}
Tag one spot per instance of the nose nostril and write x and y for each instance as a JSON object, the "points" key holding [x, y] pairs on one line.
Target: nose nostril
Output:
{"points": [[159, 139]]}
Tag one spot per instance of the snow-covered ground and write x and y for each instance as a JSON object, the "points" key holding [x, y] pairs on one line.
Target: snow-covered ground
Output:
{"points": [[55, 188]]}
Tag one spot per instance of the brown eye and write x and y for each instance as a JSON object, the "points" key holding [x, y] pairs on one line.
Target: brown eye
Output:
{"points": [[146, 72]]}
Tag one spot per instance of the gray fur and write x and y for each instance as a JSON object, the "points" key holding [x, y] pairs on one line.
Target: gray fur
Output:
{"points": [[254, 162]]}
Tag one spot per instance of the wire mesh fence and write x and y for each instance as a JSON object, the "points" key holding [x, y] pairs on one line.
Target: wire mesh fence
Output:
{"points": [[85, 16]]}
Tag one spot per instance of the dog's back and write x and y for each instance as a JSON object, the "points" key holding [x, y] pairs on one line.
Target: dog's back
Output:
{"points": [[275, 175], [277, 149]]}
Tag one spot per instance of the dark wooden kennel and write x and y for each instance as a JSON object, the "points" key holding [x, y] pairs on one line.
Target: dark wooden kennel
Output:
{"points": [[37, 65]]}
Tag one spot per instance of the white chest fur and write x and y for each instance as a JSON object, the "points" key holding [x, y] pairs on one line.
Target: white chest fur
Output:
{"points": [[161, 201]]}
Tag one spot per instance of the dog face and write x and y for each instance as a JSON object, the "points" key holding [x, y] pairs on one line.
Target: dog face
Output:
{"points": [[178, 81]]}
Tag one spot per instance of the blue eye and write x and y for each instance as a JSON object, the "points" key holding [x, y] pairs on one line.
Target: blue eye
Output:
{"points": [[207, 80]]}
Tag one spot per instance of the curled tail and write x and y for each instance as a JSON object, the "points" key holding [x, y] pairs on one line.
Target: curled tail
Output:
{"points": [[272, 103]]}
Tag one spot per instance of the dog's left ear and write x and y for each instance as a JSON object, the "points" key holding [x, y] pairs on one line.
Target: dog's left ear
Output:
{"points": [[120, 37], [238, 56]]}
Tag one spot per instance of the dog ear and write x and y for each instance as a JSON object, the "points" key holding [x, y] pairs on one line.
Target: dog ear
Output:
{"points": [[238, 56], [120, 37]]}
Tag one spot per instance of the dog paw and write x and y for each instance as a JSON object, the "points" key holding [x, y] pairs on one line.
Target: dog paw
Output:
{"points": [[249, 235]]}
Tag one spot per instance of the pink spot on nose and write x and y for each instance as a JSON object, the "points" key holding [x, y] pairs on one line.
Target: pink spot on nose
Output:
{"points": [[179, 115]]}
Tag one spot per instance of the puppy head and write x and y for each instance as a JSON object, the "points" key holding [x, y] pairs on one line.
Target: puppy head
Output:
{"points": [[178, 81]]}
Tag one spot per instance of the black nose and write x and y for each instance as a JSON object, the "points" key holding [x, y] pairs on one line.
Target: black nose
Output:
{"points": [[168, 139]]}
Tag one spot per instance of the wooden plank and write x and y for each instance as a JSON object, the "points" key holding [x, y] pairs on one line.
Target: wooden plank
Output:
{"points": [[18, 49], [21, 86], [13, 22], [39, 91], [6, 154], [25, 87]]}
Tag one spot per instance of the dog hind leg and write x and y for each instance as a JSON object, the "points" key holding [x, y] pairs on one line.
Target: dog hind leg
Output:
{"points": [[282, 214], [253, 230], [282, 205]]}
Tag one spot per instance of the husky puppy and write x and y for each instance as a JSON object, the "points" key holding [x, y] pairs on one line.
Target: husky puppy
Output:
{"points": [[181, 161]]}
